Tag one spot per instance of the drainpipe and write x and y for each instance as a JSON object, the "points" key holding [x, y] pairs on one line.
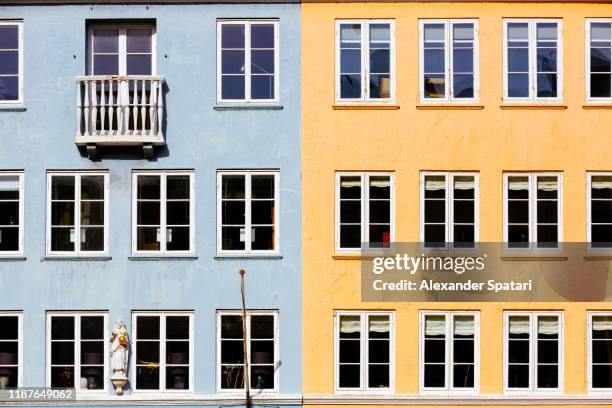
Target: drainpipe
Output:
{"points": [[247, 384]]}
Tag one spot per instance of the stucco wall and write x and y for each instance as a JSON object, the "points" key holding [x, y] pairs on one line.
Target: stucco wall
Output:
{"points": [[198, 137]]}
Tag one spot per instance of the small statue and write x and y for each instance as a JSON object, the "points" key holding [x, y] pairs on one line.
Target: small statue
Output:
{"points": [[119, 356]]}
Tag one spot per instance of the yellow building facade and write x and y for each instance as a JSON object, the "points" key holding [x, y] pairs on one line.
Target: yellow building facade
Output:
{"points": [[488, 134]]}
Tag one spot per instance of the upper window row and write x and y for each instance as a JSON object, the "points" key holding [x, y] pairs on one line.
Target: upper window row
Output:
{"points": [[247, 57], [162, 212], [448, 60]]}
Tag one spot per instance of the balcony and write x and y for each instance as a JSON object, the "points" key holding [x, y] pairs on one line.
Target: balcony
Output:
{"points": [[120, 111]]}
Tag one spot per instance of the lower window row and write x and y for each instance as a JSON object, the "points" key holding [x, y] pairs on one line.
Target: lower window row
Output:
{"points": [[449, 351], [161, 350]]}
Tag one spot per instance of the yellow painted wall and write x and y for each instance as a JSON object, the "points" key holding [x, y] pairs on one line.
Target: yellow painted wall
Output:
{"points": [[409, 140]]}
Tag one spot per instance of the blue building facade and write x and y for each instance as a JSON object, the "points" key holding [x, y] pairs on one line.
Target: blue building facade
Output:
{"points": [[149, 153]]}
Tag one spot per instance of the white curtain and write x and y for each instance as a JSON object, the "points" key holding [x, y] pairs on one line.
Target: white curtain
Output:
{"points": [[463, 183], [379, 324], [518, 183], [9, 183], [601, 323], [519, 325], [350, 324], [435, 183], [350, 182], [380, 182], [601, 182], [547, 184], [548, 325], [464, 326], [435, 325]]}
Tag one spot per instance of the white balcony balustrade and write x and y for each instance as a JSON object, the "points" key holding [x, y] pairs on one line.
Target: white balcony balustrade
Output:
{"points": [[120, 110]]}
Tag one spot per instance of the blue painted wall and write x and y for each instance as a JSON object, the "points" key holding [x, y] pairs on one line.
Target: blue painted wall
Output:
{"points": [[198, 137]]}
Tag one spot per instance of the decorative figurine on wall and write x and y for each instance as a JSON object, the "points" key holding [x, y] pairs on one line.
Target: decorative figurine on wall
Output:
{"points": [[119, 356]]}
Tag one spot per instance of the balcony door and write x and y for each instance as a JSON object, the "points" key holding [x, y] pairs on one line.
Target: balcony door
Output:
{"points": [[123, 92], [121, 50]]}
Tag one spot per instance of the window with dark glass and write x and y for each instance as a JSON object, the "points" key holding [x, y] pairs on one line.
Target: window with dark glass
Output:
{"points": [[121, 50], [248, 61], [599, 70], [77, 351], [163, 351], [533, 210], [11, 212], [261, 337], [600, 351], [10, 344], [11, 70], [449, 60], [449, 351], [450, 209], [364, 210], [164, 207], [533, 351], [364, 354], [600, 210], [77, 213], [248, 211], [365, 60], [532, 54]]}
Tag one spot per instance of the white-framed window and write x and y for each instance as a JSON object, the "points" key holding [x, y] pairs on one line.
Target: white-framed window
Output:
{"points": [[262, 349], [599, 210], [163, 212], [449, 351], [365, 210], [77, 350], [598, 59], [11, 213], [365, 61], [162, 360], [364, 351], [533, 60], [599, 347], [11, 349], [121, 49], [77, 213], [11, 61], [448, 60], [533, 210], [247, 211], [449, 209], [247, 61], [533, 351]]}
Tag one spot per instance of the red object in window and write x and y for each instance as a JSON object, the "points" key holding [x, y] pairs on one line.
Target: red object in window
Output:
{"points": [[386, 237]]}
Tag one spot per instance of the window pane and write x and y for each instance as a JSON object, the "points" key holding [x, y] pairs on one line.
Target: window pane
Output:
{"points": [[262, 377], [148, 213], [232, 377], [9, 37], [232, 87], [350, 35], [349, 376], [139, 65], [92, 212], [177, 327], [434, 375], [548, 376], [92, 187], [62, 377], [350, 61], [233, 186], [262, 87], [147, 327], [463, 376], [262, 35], [463, 85], [518, 85], [177, 212], [231, 327], [600, 85], [62, 328], [147, 239], [139, 40], [106, 41], [9, 62], [233, 238], [350, 86], [177, 378], [149, 187], [9, 88], [262, 62], [62, 239], [92, 327], [262, 327], [262, 186], [232, 62], [147, 378], [518, 376], [9, 327], [378, 376], [9, 213], [350, 236], [232, 36], [106, 65], [177, 187], [177, 352], [380, 86], [602, 376], [547, 85], [62, 188]]}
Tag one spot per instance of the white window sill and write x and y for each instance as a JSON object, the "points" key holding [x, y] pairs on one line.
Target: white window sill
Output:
{"points": [[153, 257], [76, 258], [221, 106], [12, 257], [12, 107], [249, 256]]}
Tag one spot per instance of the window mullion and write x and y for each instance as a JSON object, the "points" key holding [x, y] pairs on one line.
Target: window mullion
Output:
{"points": [[533, 369], [247, 60], [449, 351], [77, 213], [449, 207], [122, 51], [248, 229], [365, 209], [77, 351], [162, 351], [162, 213], [247, 358], [364, 351], [533, 43], [448, 54], [365, 59]]}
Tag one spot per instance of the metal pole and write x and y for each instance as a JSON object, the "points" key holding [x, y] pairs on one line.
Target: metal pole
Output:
{"points": [[247, 384]]}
